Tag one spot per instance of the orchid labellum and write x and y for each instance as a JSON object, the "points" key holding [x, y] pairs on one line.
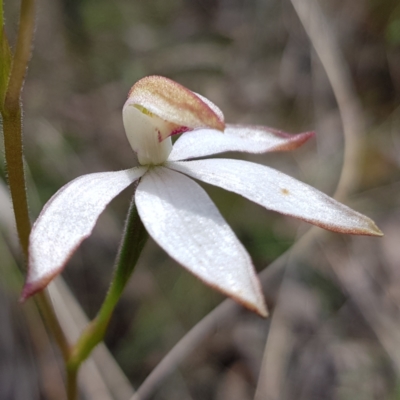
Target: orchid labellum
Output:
{"points": [[175, 210]]}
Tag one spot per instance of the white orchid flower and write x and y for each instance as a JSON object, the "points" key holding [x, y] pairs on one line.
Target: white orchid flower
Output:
{"points": [[175, 210]]}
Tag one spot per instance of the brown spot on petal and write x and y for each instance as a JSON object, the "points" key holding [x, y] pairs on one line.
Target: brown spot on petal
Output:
{"points": [[285, 191]]}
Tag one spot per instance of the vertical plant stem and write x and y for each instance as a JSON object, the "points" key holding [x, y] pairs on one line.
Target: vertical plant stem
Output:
{"points": [[5, 57], [15, 173], [12, 122], [22, 55], [133, 241], [12, 130], [72, 387]]}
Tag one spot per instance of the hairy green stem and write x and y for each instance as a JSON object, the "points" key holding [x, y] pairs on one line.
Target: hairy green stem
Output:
{"points": [[12, 121], [12, 130], [22, 55], [5, 57], [133, 241]]}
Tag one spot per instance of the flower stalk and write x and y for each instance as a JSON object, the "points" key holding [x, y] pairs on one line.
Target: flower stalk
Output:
{"points": [[133, 241], [12, 78], [12, 121]]}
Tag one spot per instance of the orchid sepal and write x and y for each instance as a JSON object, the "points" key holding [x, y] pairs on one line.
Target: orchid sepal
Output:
{"points": [[67, 219], [240, 138], [278, 192], [181, 218]]}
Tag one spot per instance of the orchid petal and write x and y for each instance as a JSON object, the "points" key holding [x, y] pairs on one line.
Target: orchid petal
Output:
{"points": [[278, 192], [182, 219], [213, 107], [243, 138], [67, 219], [175, 104]]}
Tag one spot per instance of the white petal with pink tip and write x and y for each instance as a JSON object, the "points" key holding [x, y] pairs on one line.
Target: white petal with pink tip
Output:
{"points": [[248, 139], [278, 192], [182, 219], [67, 219]]}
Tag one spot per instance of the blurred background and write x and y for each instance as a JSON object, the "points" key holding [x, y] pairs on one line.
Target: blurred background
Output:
{"points": [[330, 66]]}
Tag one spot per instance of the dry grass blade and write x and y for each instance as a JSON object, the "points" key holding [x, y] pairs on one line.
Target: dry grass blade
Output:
{"points": [[24, 365], [352, 274], [101, 378], [323, 40], [322, 37], [222, 314]]}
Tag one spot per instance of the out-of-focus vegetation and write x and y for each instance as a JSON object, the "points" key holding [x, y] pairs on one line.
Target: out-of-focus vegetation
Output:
{"points": [[337, 329]]}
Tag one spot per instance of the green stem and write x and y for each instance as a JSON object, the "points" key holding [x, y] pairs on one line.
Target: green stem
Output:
{"points": [[5, 57], [15, 171], [12, 131], [12, 122], [133, 241], [23, 53]]}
